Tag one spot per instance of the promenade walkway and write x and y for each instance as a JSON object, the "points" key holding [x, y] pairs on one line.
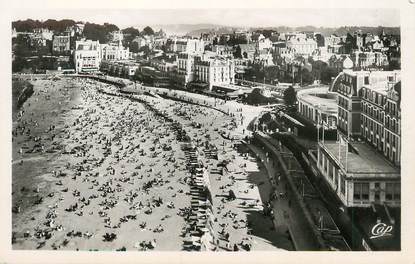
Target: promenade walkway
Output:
{"points": [[314, 210], [288, 217]]}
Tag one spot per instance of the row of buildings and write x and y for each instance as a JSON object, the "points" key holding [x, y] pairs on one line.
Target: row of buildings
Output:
{"points": [[183, 70], [61, 42], [291, 52], [88, 54]]}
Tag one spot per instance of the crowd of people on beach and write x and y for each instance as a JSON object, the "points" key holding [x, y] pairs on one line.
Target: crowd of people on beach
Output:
{"points": [[128, 170]]}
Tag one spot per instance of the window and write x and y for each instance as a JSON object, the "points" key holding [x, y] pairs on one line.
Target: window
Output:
{"points": [[331, 171], [365, 191], [325, 166], [342, 185], [397, 191], [321, 159], [377, 196], [361, 191], [393, 191]]}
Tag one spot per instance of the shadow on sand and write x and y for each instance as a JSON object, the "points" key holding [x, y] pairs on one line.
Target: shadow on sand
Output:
{"points": [[262, 226]]}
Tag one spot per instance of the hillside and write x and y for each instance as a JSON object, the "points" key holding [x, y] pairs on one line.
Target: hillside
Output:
{"points": [[180, 29], [323, 30]]}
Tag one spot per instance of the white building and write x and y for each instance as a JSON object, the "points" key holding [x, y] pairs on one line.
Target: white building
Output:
{"points": [[44, 33], [332, 40], [114, 52], [79, 28], [264, 43], [318, 105], [302, 46], [207, 68], [185, 68], [370, 59], [117, 36], [214, 70], [264, 57], [280, 50], [223, 50], [187, 45], [87, 56], [143, 41]]}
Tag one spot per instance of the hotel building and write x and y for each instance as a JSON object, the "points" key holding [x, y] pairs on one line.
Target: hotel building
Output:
{"points": [[302, 46], [187, 46], [185, 69], [87, 56], [362, 167], [114, 52], [214, 70], [381, 119]]}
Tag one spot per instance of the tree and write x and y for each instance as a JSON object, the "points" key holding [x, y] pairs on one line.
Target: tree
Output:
{"points": [[131, 31], [255, 72], [146, 50], [327, 73], [304, 76], [256, 97], [267, 32], [27, 25], [99, 32], [133, 47], [320, 40], [222, 40], [129, 34], [58, 25], [235, 40], [19, 64], [148, 31], [394, 65], [110, 27], [22, 47], [271, 73], [237, 53], [265, 118], [290, 96], [95, 32], [350, 43]]}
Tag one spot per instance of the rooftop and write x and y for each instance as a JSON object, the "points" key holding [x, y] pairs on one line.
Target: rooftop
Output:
{"points": [[373, 73], [380, 87], [320, 97], [364, 163], [233, 87]]}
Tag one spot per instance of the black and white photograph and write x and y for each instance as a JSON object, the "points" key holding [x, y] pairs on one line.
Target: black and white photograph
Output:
{"points": [[206, 130]]}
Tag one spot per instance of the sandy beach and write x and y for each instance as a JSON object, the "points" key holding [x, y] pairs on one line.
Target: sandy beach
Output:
{"points": [[94, 169]]}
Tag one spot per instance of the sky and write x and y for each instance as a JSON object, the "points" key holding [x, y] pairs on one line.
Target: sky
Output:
{"points": [[228, 17]]}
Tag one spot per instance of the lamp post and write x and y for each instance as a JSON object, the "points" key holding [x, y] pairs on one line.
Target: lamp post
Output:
{"points": [[293, 75], [301, 73], [318, 128]]}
